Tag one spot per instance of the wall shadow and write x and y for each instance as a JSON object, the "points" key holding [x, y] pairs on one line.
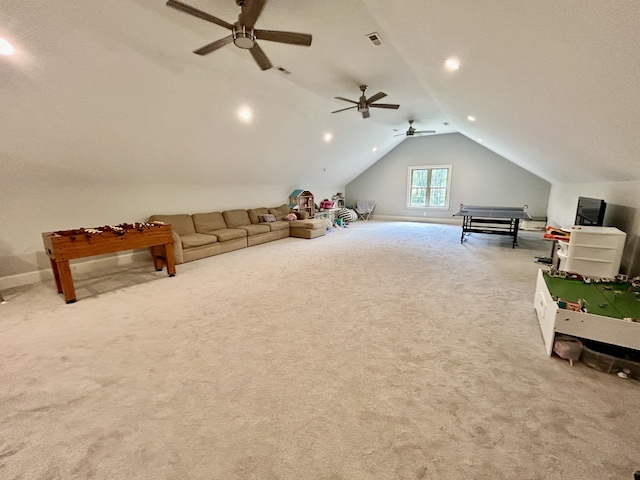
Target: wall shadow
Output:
{"points": [[626, 219]]}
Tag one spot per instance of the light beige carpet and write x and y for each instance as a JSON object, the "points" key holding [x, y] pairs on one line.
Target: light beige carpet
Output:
{"points": [[382, 351]]}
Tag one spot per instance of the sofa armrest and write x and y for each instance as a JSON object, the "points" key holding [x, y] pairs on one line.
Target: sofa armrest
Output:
{"points": [[177, 248]]}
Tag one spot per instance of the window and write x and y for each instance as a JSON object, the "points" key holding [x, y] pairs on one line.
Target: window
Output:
{"points": [[428, 186]]}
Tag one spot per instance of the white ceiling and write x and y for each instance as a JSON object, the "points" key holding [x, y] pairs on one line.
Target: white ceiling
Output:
{"points": [[110, 90]]}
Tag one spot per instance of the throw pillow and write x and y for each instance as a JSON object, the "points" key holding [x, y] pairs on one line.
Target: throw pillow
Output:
{"points": [[290, 217], [266, 217]]}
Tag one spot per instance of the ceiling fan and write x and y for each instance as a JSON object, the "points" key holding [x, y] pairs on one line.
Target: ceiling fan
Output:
{"points": [[243, 35], [412, 131], [364, 103]]}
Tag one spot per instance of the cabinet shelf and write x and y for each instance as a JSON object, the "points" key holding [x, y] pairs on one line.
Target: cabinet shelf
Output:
{"points": [[596, 260]]}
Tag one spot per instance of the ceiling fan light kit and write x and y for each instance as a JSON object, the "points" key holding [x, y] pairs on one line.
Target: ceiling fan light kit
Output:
{"points": [[242, 38]]}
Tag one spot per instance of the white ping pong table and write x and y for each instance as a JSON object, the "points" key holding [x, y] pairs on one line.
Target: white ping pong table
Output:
{"points": [[492, 220]]}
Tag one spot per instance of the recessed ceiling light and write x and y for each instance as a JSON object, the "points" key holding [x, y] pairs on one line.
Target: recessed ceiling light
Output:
{"points": [[327, 137], [5, 47], [374, 149], [245, 114], [480, 140], [452, 64], [471, 118]]}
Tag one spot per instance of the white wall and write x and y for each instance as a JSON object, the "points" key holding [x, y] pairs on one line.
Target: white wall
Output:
{"points": [[479, 177], [37, 198], [623, 212]]}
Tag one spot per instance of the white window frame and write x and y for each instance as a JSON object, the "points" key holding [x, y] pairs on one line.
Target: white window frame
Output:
{"points": [[428, 167]]}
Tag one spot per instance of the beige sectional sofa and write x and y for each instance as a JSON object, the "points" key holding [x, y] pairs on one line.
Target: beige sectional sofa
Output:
{"points": [[201, 235]]}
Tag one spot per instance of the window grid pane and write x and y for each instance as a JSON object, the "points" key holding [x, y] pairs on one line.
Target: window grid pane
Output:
{"points": [[418, 196], [437, 197], [419, 178], [438, 177]]}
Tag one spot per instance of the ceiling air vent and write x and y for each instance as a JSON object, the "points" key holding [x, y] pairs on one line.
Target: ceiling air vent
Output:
{"points": [[375, 38]]}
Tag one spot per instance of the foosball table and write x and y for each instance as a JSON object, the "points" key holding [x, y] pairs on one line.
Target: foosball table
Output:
{"points": [[65, 245]]}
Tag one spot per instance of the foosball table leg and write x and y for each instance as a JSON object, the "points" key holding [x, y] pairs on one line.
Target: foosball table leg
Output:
{"points": [[163, 255], [170, 259], [56, 274], [66, 281], [157, 257]]}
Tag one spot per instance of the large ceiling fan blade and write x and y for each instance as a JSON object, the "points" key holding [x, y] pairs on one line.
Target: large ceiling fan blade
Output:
{"points": [[366, 114], [346, 99], [343, 109], [250, 12], [376, 97], [293, 38], [425, 131], [260, 57], [384, 105], [214, 46], [183, 7]]}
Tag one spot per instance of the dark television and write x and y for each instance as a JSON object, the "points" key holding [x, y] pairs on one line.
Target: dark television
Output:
{"points": [[590, 211]]}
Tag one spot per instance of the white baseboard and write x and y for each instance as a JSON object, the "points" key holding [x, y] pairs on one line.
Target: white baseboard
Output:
{"points": [[77, 268], [392, 218], [28, 278]]}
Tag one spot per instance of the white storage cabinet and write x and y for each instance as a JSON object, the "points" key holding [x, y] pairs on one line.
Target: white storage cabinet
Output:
{"points": [[592, 251]]}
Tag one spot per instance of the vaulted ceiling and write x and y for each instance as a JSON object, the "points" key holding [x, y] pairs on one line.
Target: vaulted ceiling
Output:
{"points": [[111, 90]]}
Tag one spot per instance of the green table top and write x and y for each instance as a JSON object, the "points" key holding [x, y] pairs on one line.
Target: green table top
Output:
{"points": [[599, 298]]}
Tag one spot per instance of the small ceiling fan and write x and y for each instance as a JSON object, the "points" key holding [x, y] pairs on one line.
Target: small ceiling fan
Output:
{"points": [[364, 103], [243, 35], [412, 131]]}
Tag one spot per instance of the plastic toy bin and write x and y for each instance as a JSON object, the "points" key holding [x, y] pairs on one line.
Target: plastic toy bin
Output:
{"points": [[609, 363]]}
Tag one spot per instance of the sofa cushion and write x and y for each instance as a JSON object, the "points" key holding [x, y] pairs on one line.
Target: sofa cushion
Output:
{"points": [[226, 234], [197, 240], [182, 224], [208, 222], [236, 218], [278, 225], [254, 214], [280, 211], [256, 229], [309, 223]]}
